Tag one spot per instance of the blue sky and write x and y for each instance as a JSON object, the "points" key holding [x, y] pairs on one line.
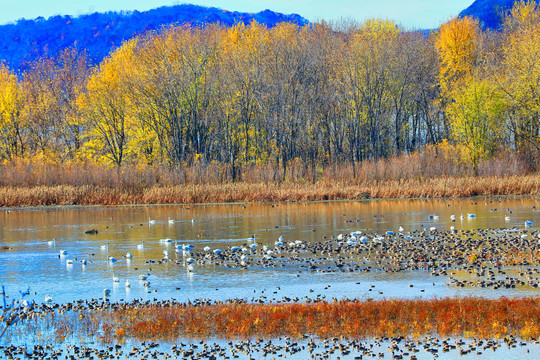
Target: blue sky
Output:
{"points": [[410, 13]]}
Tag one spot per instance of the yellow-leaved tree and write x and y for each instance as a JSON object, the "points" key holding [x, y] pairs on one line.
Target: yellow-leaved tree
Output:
{"points": [[372, 50], [245, 49], [175, 90], [520, 75], [459, 45], [476, 118], [12, 142], [105, 109]]}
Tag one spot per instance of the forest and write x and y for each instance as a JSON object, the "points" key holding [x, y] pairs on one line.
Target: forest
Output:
{"points": [[340, 101]]}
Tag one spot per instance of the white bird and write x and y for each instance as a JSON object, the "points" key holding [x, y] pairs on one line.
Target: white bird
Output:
{"points": [[528, 223], [143, 277], [83, 262], [129, 255], [51, 242], [48, 298], [106, 292], [115, 279], [401, 229], [253, 246], [171, 221], [151, 222], [452, 228], [218, 251], [165, 240], [471, 216], [507, 218], [127, 283], [165, 254], [112, 259], [453, 217], [140, 246], [190, 260], [103, 247], [206, 249], [340, 237], [69, 262], [63, 252]]}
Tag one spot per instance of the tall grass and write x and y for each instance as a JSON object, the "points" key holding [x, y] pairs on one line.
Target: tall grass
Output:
{"points": [[432, 173], [261, 192], [353, 319]]}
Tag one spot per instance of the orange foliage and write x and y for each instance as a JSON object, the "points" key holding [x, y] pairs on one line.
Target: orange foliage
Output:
{"points": [[473, 317]]}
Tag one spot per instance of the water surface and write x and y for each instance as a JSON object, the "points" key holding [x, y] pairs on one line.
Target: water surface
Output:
{"points": [[35, 237]]}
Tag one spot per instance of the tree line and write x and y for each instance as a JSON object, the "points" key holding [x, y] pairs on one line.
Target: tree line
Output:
{"points": [[248, 95]]}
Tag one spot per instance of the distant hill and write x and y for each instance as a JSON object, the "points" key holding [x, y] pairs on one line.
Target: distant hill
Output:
{"points": [[98, 33], [489, 11]]}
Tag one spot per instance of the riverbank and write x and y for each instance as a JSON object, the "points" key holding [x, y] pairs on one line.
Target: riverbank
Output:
{"points": [[447, 187]]}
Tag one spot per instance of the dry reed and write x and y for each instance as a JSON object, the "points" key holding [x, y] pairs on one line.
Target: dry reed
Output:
{"points": [[267, 192], [433, 173], [456, 317]]}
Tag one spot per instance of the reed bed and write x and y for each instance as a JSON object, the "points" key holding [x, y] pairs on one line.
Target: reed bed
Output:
{"points": [[41, 195], [352, 319]]}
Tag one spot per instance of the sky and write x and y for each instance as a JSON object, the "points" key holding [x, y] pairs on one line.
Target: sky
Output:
{"points": [[413, 14]]}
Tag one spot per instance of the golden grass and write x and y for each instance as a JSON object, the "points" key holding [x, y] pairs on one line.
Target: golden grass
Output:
{"points": [[268, 192], [455, 317]]}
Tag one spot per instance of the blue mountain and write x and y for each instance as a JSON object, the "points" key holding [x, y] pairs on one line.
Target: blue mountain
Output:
{"points": [[489, 12], [99, 33]]}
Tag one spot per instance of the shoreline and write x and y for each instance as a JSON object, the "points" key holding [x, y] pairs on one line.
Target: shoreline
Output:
{"points": [[243, 192]]}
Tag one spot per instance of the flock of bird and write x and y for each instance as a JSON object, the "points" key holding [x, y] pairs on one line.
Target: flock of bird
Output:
{"points": [[393, 251], [495, 258], [283, 347]]}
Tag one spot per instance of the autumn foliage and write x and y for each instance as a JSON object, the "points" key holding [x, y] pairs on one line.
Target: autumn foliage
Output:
{"points": [[285, 104]]}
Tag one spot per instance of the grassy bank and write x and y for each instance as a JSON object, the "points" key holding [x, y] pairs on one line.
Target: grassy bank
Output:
{"points": [[41, 195], [466, 317]]}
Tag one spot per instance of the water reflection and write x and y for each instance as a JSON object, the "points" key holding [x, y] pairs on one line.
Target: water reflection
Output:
{"points": [[36, 236]]}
